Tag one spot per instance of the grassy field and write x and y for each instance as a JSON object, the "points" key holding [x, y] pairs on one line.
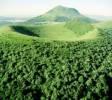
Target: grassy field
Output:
{"points": [[57, 31]]}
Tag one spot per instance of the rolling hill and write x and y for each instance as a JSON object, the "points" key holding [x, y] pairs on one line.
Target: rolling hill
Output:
{"points": [[59, 14], [46, 32]]}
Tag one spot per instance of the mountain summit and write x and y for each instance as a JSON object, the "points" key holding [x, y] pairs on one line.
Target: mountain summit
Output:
{"points": [[63, 11], [58, 14]]}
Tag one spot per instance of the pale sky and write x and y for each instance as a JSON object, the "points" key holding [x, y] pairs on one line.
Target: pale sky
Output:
{"points": [[30, 8]]}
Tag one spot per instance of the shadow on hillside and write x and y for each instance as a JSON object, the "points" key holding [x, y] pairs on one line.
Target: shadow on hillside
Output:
{"points": [[24, 30]]}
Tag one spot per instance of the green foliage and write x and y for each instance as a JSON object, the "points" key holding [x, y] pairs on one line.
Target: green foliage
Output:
{"points": [[56, 70]]}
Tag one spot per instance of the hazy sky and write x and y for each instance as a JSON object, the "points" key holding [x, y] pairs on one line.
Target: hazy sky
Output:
{"points": [[27, 8]]}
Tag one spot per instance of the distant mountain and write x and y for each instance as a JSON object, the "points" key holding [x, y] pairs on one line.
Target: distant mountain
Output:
{"points": [[5, 23], [6, 18], [100, 18], [11, 19], [59, 14]]}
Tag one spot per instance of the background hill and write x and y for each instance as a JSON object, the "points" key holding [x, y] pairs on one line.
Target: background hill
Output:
{"points": [[47, 32], [59, 14]]}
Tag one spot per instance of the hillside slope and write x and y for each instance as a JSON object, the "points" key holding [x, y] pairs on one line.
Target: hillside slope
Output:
{"points": [[79, 26], [45, 32]]}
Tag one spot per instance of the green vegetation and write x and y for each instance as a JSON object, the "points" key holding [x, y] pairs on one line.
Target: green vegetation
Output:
{"points": [[56, 70], [58, 31], [79, 27], [104, 24]]}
